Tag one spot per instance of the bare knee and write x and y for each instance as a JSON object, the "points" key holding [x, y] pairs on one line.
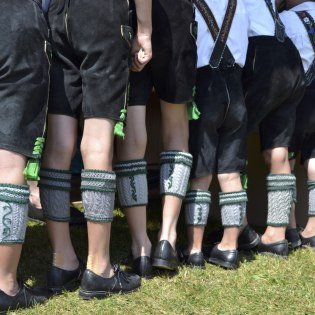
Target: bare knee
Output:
{"points": [[278, 160]]}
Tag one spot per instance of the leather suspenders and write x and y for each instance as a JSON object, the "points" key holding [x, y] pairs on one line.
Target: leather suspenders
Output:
{"points": [[45, 5], [309, 25], [221, 54], [280, 29]]}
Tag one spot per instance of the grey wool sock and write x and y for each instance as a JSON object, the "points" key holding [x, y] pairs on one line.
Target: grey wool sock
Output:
{"points": [[311, 198], [98, 194], [132, 184], [174, 173], [233, 208], [55, 186], [197, 204], [280, 188], [13, 213]]}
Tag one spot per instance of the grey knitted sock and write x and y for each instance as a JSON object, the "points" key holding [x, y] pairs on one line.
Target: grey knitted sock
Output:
{"points": [[55, 186], [174, 173], [233, 208], [13, 213], [197, 204], [311, 198], [280, 189], [98, 194], [132, 184]]}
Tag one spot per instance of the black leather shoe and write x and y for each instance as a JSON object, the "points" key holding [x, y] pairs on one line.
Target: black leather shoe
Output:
{"points": [[25, 298], [195, 260], [248, 239], [165, 256], [224, 258], [308, 241], [280, 249], [142, 266], [293, 238], [59, 280], [94, 286]]}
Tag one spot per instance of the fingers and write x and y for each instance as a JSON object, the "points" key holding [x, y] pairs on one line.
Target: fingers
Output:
{"points": [[139, 61]]}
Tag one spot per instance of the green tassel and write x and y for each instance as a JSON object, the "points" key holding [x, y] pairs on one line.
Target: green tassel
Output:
{"points": [[193, 112], [192, 109], [32, 168], [119, 130], [244, 181], [119, 126]]}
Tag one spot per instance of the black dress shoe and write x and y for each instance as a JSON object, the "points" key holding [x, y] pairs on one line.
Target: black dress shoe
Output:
{"points": [[59, 280], [280, 249], [195, 260], [95, 286], [293, 238], [165, 256], [248, 239], [142, 266], [308, 241], [224, 258], [25, 297]]}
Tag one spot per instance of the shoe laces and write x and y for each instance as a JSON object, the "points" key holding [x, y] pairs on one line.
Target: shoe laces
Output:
{"points": [[120, 274]]}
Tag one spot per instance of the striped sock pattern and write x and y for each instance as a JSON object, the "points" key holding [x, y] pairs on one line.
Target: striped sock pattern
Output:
{"points": [[98, 194], [197, 205], [311, 198], [55, 186], [132, 184], [280, 189], [174, 173], [13, 213], [233, 208]]}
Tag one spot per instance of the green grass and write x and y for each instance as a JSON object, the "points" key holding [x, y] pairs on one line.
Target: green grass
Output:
{"points": [[262, 285]]}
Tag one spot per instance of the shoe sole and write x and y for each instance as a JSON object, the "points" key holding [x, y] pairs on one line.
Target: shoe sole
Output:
{"points": [[222, 264], [89, 295], [70, 286], [163, 264], [250, 246]]}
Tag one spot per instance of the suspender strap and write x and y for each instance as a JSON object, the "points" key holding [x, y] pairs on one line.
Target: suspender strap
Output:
{"points": [[220, 52], [45, 5], [279, 27], [309, 25]]}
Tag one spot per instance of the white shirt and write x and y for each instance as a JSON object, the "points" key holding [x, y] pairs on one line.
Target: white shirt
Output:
{"points": [[237, 40], [297, 32], [261, 20]]}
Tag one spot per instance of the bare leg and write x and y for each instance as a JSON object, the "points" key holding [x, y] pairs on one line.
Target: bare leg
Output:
{"points": [[59, 150], [309, 230], [97, 153], [175, 137], [195, 233], [133, 148], [278, 161], [11, 172], [230, 183]]}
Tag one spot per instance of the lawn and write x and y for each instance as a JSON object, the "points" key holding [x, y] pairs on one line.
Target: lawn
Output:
{"points": [[262, 285]]}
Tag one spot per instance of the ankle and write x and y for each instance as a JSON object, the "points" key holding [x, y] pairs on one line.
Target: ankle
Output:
{"points": [[223, 245], [308, 232], [9, 286], [100, 266], [141, 247], [170, 237], [65, 261], [269, 238]]}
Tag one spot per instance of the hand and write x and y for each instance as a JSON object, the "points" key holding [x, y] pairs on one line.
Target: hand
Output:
{"points": [[141, 51]]}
